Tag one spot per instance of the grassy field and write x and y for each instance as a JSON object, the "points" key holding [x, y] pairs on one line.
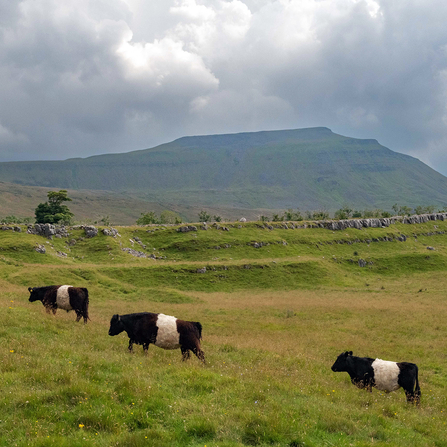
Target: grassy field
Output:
{"points": [[274, 317]]}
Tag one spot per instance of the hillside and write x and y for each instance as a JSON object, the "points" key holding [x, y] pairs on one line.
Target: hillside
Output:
{"points": [[306, 168], [278, 304], [93, 205]]}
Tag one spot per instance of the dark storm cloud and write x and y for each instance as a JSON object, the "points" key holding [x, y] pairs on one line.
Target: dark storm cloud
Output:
{"points": [[89, 77]]}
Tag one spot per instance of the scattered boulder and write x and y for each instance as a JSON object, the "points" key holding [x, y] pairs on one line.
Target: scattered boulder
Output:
{"points": [[40, 249], [138, 254], [187, 228], [202, 270], [90, 231], [110, 232]]}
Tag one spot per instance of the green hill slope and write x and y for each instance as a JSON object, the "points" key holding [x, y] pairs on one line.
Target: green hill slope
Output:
{"points": [[274, 319], [306, 168]]}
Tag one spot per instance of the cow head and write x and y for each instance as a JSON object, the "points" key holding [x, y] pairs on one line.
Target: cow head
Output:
{"points": [[116, 325], [34, 295], [341, 363]]}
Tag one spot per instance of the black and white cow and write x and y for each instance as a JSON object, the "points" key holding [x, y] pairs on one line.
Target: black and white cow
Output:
{"points": [[162, 330], [62, 297], [386, 376]]}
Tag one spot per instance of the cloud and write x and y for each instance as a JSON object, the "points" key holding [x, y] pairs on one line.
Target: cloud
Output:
{"points": [[99, 76]]}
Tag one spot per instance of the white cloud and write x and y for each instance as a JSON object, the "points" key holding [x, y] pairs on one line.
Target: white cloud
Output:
{"points": [[97, 76], [190, 10]]}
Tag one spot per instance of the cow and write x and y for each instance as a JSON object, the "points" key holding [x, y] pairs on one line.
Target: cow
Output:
{"points": [[162, 330], [386, 376], [62, 297]]}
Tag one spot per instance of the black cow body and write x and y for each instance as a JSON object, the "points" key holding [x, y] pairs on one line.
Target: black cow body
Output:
{"points": [[386, 376], [62, 297], [162, 330]]}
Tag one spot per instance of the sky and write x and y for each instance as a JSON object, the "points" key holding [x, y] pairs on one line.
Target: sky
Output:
{"points": [[87, 77]]}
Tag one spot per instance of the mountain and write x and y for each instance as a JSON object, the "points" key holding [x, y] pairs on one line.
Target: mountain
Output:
{"points": [[309, 169]]}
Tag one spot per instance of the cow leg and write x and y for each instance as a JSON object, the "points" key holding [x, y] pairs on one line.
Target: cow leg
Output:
{"points": [[412, 397], [409, 395], [50, 309], [198, 352], [185, 353], [130, 347], [145, 348], [410, 385], [78, 317]]}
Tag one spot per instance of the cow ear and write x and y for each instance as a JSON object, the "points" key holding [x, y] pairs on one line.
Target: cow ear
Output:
{"points": [[349, 353], [30, 289]]}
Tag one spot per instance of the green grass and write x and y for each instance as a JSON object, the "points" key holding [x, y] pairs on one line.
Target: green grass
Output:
{"points": [[274, 318]]}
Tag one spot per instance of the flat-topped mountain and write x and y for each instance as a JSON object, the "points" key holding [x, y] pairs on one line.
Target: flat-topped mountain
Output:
{"points": [[308, 169]]}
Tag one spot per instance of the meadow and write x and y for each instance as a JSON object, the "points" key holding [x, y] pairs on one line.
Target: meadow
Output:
{"points": [[274, 320]]}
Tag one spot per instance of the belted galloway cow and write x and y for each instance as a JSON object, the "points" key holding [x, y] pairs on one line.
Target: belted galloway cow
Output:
{"points": [[62, 297], [386, 376], [162, 330]]}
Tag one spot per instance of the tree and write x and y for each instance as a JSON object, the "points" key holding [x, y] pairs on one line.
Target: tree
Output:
{"points": [[429, 209], [53, 211], [148, 218], [204, 216], [170, 217], [317, 215], [343, 213], [291, 215], [401, 210]]}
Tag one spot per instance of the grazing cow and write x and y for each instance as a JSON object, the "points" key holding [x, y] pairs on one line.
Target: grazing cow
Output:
{"points": [[62, 297], [162, 330], [385, 376]]}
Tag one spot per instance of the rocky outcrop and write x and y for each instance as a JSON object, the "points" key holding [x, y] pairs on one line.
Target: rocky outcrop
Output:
{"points": [[14, 228], [110, 232], [379, 222], [187, 228], [90, 231], [382, 222], [47, 230], [423, 218]]}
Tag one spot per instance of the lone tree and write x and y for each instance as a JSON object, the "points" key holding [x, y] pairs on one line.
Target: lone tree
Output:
{"points": [[54, 211]]}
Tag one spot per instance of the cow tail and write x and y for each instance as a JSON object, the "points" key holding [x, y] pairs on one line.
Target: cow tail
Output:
{"points": [[85, 304], [199, 328], [417, 390]]}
